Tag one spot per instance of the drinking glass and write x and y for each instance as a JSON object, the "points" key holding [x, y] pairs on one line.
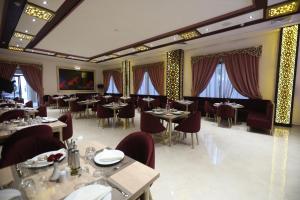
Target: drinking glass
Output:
{"points": [[89, 154]]}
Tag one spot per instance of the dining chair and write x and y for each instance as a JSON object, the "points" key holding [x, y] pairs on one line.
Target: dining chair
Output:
{"points": [[12, 114], [76, 108], [104, 113], [27, 143], [190, 125], [10, 105], [29, 104], [210, 110], [67, 132], [140, 147], [19, 100], [126, 113], [144, 106], [151, 124], [42, 111], [225, 112], [62, 105]]}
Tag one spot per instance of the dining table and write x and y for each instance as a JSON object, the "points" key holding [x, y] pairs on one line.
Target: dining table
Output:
{"points": [[69, 100], [127, 179], [235, 106], [28, 110], [115, 107], [125, 99], [56, 99], [169, 116], [148, 100], [185, 102], [106, 97], [88, 103], [6, 130]]}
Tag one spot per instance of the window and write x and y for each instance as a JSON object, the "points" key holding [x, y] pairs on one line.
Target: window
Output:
{"points": [[22, 89], [220, 86], [112, 88], [147, 87]]}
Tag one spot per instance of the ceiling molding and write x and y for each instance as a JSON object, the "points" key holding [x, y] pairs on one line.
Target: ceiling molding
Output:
{"points": [[60, 15]]}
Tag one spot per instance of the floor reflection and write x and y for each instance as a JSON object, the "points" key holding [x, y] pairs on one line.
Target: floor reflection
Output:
{"points": [[214, 152], [279, 162]]}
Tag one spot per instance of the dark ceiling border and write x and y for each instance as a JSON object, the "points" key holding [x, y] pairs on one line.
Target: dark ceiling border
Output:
{"points": [[64, 10]]}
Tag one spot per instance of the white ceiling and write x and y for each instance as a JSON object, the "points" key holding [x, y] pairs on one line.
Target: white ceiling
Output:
{"points": [[99, 26]]}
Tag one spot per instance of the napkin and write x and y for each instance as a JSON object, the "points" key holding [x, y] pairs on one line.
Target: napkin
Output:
{"points": [[7, 194], [109, 155], [90, 192]]}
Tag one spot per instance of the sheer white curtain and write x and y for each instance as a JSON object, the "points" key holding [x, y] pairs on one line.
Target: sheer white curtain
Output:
{"points": [[220, 86], [112, 87], [147, 87]]}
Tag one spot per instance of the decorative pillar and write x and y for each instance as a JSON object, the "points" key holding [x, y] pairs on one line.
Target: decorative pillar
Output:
{"points": [[126, 78], [175, 74], [286, 72]]}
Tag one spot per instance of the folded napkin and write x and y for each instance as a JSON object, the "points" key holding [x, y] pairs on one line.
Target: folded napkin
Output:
{"points": [[7, 194], [90, 192], [109, 155]]}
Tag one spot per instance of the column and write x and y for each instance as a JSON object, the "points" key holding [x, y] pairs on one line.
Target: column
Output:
{"points": [[126, 78]]}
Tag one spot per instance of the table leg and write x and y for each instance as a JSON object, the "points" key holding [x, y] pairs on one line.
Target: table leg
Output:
{"points": [[187, 107], [235, 115], [60, 134], [115, 118], [87, 110], [170, 132], [56, 103], [69, 105], [146, 194]]}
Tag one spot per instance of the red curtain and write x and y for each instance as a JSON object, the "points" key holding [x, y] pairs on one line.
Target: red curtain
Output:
{"points": [[34, 77], [202, 71], [118, 78], [138, 75], [106, 77], [7, 70], [242, 71], [156, 74]]}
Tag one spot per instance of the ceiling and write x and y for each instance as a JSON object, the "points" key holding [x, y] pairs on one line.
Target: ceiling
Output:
{"points": [[99, 31]]}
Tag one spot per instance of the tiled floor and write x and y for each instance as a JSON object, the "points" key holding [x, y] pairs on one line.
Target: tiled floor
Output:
{"points": [[229, 163]]}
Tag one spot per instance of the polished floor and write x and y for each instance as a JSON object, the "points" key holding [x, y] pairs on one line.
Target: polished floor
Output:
{"points": [[228, 164]]}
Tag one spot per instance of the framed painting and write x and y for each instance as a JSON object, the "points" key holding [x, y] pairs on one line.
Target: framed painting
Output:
{"points": [[76, 80]]}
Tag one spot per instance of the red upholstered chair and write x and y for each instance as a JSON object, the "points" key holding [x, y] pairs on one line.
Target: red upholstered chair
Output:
{"points": [[104, 113], [27, 143], [10, 105], [19, 100], [68, 130], [263, 121], [178, 106], [12, 114], [42, 111], [76, 108], [154, 104], [139, 146], [151, 124], [210, 110], [144, 106], [29, 104], [191, 125], [126, 113], [225, 112], [62, 105]]}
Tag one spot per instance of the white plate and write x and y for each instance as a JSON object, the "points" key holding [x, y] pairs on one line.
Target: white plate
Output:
{"points": [[49, 120], [177, 112], [158, 112], [90, 190], [106, 154], [41, 160], [7, 194]]}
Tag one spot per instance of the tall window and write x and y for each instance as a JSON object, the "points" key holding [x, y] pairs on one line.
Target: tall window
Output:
{"points": [[220, 86], [22, 89], [147, 87], [112, 88]]}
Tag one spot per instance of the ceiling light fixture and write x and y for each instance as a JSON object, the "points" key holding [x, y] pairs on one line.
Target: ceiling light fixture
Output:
{"points": [[77, 68], [23, 36], [190, 34], [39, 12], [174, 38], [17, 45], [282, 9], [33, 19], [45, 2], [206, 29], [26, 31], [250, 17], [61, 56], [142, 48], [15, 48]]}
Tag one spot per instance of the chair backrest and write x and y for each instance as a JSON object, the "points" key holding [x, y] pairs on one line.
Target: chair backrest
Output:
{"points": [[68, 130], [29, 104], [150, 123], [191, 124], [27, 143], [75, 107], [139, 146], [42, 111], [103, 112], [10, 105], [19, 100], [193, 107], [127, 111], [12, 114], [225, 111]]}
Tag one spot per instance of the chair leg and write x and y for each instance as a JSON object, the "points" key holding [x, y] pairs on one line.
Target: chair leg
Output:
{"points": [[228, 122], [197, 139], [192, 135]]}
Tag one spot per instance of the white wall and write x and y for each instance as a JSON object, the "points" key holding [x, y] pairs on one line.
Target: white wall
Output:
{"points": [[49, 68]]}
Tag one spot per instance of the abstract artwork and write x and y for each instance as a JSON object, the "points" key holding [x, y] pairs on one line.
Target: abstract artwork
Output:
{"points": [[70, 79]]}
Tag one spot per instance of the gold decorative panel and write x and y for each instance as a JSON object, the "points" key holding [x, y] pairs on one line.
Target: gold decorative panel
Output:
{"points": [[23, 36], [286, 74], [189, 35], [175, 74], [13, 48], [126, 78], [38, 12], [282, 9]]}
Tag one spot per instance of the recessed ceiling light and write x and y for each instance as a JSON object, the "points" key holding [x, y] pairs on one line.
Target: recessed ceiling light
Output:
{"points": [[250, 17], [206, 29], [21, 39], [17, 45], [33, 19], [26, 31], [45, 2], [77, 68], [174, 38], [141, 48], [151, 45]]}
